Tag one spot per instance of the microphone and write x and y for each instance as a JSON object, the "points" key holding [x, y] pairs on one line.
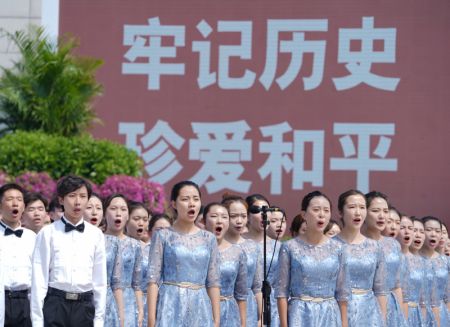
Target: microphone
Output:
{"points": [[264, 209]]}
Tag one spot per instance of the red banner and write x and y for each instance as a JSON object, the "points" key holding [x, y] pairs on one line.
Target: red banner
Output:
{"points": [[277, 97]]}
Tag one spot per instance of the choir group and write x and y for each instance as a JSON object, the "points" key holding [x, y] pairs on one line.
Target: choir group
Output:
{"points": [[111, 262]]}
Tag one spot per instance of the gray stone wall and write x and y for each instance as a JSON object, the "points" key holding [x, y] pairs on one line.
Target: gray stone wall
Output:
{"points": [[16, 15]]}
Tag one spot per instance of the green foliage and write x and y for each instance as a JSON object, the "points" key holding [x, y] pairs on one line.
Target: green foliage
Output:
{"points": [[84, 156], [48, 89]]}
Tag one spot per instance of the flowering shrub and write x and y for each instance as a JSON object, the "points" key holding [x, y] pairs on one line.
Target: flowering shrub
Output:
{"points": [[133, 188], [136, 189], [37, 182], [84, 156]]}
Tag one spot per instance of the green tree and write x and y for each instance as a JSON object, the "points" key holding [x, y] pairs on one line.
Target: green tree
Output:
{"points": [[49, 89]]}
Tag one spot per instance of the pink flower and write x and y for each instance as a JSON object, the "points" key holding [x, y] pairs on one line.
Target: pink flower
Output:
{"points": [[136, 189], [37, 182]]}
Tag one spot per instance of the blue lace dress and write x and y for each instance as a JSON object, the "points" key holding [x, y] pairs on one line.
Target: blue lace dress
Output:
{"points": [[437, 291], [367, 273], [254, 279], [145, 256], [413, 288], [113, 271], [393, 257], [314, 278], [233, 284], [131, 278], [187, 264]]}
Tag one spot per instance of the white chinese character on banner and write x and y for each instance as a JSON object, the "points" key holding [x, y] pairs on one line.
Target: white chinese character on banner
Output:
{"points": [[296, 47], [359, 63], [160, 161], [205, 76], [278, 158], [146, 48], [131, 132], [226, 52], [360, 159], [300, 175], [221, 147], [280, 152]]}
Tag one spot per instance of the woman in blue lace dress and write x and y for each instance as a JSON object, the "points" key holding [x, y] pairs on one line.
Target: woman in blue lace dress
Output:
{"points": [[114, 292], [256, 233], [365, 264], [312, 284], [137, 228], [117, 214], [233, 268], [157, 222], [185, 259], [437, 275], [376, 221], [411, 239], [94, 215], [237, 210]]}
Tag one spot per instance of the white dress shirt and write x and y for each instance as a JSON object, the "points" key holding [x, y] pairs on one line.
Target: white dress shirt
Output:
{"points": [[17, 257], [71, 262]]}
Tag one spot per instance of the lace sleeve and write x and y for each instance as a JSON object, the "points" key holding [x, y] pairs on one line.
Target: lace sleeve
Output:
{"points": [[116, 275], [424, 297], [283, 273], [258, 278], [137, 271], [213, 277], [240, 287], [434, 297], [343, 289], [399, 276], [156, 257], [379, 283]]}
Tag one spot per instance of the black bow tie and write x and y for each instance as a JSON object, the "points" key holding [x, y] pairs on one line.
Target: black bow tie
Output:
{"points": [[9, 231], [70, 227]]}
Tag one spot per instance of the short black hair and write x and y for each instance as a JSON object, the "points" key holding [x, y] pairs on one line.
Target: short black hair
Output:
{"points": [[157, 217], [296, 224], [396, 211], [134, 205], [343, 198], [330, 225], [209, 206], [178, 186], [373, 195], [71, 183], [251, 199], [431, 218], [308, 197], [10, 186], [31, 197], [279, 209], [109, 199], [54, 204]]}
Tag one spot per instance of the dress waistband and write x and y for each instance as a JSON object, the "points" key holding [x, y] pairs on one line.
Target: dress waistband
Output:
{"points": [[226, 297], [307, 298], [189, 285], [360, 291]]}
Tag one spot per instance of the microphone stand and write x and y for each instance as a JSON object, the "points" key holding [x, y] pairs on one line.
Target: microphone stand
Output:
{"points": [[266, 289]]}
